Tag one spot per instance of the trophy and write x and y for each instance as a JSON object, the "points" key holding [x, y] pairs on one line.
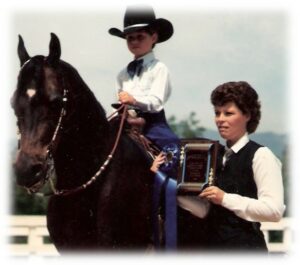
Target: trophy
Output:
{"points": [[197, 165]]}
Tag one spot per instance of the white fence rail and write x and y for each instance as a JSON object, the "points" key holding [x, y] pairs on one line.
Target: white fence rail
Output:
{"points": [[33, 233], [284, 226]]}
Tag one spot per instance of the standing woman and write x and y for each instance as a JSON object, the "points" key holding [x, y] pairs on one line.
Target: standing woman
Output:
{"points": [[248, 187]]}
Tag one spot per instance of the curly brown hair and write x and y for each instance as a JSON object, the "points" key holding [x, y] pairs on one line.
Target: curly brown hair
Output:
{"points": [[244, 96]]}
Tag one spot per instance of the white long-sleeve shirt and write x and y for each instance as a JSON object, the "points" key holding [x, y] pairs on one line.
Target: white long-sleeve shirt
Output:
{"points": [[269, 206], [152, 88]]}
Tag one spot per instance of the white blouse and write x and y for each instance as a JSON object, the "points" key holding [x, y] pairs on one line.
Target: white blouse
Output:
{"points": [[269, 206], [152, 88]]}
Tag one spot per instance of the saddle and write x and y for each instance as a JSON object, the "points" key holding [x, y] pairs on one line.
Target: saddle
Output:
{"points": [[134, 126]]}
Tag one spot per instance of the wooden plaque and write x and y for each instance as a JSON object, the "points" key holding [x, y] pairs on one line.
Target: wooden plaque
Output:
{"points": [[197, 166]]}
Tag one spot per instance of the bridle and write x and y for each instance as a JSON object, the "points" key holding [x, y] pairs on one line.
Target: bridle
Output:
{"points": [[51, 175]]}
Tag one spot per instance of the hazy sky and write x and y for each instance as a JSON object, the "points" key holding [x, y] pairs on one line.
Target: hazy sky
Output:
{"points": [[209, 47]]}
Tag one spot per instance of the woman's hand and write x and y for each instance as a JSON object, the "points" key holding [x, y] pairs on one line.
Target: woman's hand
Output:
{"points": [[213, 194], [160, 159], [126, 98]]}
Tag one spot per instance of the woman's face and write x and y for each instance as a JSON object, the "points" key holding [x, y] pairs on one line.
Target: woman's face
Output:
{"points": [[231, 122], [140, 42]]}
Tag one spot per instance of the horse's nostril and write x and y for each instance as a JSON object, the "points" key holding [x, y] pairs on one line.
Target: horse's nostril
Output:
{"points": [[27, 171], [36, 170]]}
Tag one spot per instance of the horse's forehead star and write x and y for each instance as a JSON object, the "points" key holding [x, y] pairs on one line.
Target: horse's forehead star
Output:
{"points": [[31, 92]]}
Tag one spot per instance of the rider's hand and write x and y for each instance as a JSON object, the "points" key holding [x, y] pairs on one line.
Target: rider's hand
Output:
{"points": [[160, 159], [126, 98]]}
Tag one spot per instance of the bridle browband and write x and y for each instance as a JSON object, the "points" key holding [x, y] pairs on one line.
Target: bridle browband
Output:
{"points": [[50, 175]]}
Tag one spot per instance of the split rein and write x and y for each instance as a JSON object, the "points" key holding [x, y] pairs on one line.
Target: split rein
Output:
{"points": [[49, 159]]}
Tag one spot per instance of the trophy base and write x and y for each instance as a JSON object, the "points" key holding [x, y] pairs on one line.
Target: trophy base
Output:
{"points": [[192, 189]]}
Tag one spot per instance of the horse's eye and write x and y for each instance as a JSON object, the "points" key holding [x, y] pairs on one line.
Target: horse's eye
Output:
{"points": [[20, 121]]}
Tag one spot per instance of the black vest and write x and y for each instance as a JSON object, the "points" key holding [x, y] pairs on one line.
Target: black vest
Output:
{"points": [[228, 231]]}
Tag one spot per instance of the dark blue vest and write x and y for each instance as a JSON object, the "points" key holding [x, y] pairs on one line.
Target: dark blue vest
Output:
{"points": [[228, 231]]}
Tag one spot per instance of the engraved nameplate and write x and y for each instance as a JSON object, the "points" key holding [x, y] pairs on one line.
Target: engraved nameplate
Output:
{"points": [[197, 166]]}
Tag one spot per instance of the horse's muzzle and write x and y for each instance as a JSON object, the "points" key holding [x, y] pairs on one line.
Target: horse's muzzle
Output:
{"points": [[29, 171]]}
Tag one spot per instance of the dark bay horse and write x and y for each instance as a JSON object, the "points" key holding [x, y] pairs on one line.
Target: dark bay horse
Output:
{"points": [[61, 121]]}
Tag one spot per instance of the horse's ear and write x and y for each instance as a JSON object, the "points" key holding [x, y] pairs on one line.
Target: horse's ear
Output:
{"points": [[54, 49], [23, 55]]}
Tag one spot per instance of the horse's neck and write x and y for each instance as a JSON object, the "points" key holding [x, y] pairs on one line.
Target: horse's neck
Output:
{"points": [[85, 145]]}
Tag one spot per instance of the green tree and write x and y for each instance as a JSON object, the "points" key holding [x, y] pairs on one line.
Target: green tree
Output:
{"points": [[187, 128]]}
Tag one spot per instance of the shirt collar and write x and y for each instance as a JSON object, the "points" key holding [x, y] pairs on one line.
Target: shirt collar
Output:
{"points": [[240, 143], [147, 58]]}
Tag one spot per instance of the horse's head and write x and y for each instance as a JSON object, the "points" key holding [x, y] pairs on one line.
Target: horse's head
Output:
{"points": [[38, 103]]}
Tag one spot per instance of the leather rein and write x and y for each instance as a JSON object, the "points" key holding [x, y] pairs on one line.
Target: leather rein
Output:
{"points": [[50, 175]]}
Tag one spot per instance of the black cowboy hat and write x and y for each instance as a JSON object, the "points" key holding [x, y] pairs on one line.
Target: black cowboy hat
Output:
{"points": [[139, 17]]}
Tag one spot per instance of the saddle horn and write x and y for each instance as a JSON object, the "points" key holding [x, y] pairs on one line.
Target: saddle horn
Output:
{"points": [[54, 49], [22, 53]]}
